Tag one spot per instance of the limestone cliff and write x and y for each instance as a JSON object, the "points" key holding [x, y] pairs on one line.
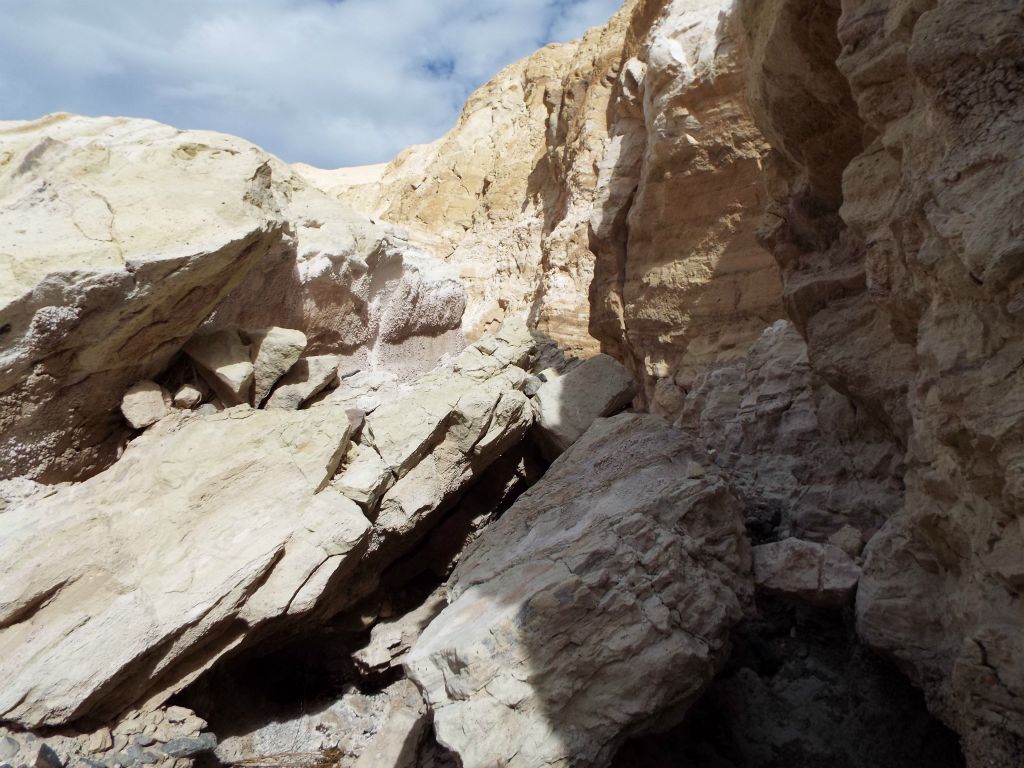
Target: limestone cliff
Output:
{"points": [[610, 188]]}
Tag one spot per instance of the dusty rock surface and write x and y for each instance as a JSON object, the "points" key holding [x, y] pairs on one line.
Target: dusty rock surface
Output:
{"points": [[145, 403], [620, 562]]}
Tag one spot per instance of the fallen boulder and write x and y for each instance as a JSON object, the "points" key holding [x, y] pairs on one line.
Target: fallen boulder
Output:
{"points": [[307, 377], [818, 573], [145, 403], [274, 352], [622, 563], [566, 405]]}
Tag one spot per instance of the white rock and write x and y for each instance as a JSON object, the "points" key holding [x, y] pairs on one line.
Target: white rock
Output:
{"points": [[224, 361], [145, 403], [819, 573], [364, 476], [150, 567], [188, 397], [274, 351]]}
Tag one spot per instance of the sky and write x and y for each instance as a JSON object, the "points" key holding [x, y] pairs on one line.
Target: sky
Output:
{"points": [[327, 82]]}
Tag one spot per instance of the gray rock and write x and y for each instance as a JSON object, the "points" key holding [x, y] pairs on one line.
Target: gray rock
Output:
{"points": [[566, 406], [47, 758], [188, 747], [145, 740], [9, 747]]}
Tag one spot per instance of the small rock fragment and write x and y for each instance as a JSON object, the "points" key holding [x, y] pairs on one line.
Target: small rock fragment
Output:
{"points": [[145, 403], [223, 360], [307, 377], [848, 539], [101, 741], [188, 397], [47, 758], [9, 747]]}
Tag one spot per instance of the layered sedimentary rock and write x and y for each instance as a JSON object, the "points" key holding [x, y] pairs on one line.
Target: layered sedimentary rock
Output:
{"points": [[896, 224], [610, 189], [627, 559], [121, 237], [210, 527]]}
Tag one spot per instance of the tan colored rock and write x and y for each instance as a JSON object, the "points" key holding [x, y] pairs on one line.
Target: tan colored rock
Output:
{"points": [[188, 397], [274, 351], [567, 611], [396, 744], [307, 377], [818, 573], [550, 196], [225, 362], [145, 403], [565, 406], [150, 567], [896, 202]]}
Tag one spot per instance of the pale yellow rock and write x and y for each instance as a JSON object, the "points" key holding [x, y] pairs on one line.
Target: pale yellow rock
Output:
{"points": [[188, 397], [145, 403], [551, 196]]}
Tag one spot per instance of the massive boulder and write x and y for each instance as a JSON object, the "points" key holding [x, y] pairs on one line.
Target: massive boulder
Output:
{"points": [[121, 237], [600, 601], [896, 223]]}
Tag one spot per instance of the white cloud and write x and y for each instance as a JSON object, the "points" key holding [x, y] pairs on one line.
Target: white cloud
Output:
{"points": [[320, 81]]}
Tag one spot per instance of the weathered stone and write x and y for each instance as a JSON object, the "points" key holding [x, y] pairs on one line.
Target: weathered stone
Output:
{"points": [[47, 758], [566, 406], [145, 403], [101, 741], [274, 351], [390, 640], [225, 362], [306, 378], [188, 396], [190, 747], [818, 573], [567, 611], [396, 744], [364, 476], [895, 216], [9, 747], [116, 586]]}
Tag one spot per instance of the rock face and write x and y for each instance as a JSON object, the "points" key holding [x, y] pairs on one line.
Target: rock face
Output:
{"points": [[608, 188], [148, 565], [620, 563], [896, 223], [121, 237]]}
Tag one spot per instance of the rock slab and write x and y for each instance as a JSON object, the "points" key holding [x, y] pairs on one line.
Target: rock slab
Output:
{"points": [[565, 614]]}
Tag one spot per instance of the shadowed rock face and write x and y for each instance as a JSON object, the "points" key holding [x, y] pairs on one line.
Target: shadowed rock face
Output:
{"points": [[625, 561], [896, 224]]}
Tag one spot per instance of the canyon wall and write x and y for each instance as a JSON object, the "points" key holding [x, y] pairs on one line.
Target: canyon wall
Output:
{"points": [[796, 224], [896, 221], [610, 189]]}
